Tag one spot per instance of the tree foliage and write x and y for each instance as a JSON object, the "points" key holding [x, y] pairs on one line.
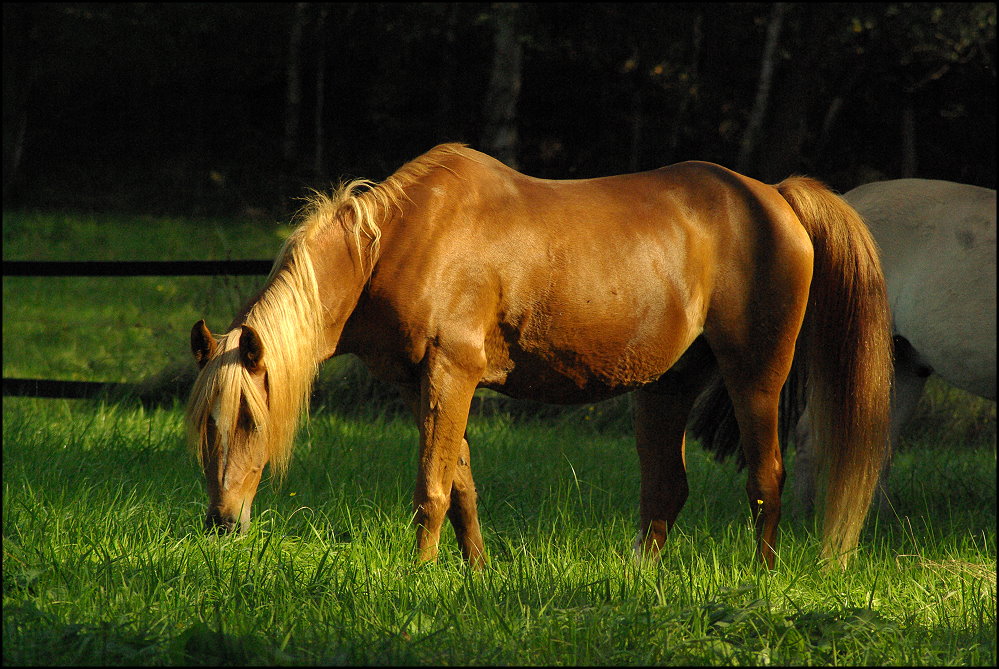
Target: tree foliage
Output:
{"points": [[184, 107]]}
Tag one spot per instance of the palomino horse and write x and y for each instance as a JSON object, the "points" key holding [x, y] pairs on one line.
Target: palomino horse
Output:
{"points": [[458, 272], [938, 250]]}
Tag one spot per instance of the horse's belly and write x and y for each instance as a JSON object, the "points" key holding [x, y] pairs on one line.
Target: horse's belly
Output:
{"points": [[583, 364], [546, 385], [559, 383]]}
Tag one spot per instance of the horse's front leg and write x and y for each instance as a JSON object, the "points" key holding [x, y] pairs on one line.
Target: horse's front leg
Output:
{"points": [[444, 484], [661, 413], [463, 513], [660, 418]]}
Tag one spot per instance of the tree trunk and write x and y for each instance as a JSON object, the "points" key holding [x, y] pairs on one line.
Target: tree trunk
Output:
{"points": [[909, 161], [834, 109], [293, 100], [13, 149], [690, 89], [18, 82], [749, 138], [500, 133]]}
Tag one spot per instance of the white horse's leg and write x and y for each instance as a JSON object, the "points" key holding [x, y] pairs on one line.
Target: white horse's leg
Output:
{"points": [[911, 373], [910, 379], [805, 467]]}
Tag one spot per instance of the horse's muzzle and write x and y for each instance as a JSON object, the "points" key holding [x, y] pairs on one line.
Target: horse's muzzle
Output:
{"points": [[216, 523]]}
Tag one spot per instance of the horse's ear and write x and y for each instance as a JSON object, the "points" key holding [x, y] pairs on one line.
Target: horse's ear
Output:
{"points": [[203, 344], [251, 350]]}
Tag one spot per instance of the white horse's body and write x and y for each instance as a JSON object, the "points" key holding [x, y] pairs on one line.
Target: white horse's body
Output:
{"points": [[938, 251]]}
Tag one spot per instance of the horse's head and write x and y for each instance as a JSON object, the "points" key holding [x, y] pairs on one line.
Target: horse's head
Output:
{"points": [[227, 421]]}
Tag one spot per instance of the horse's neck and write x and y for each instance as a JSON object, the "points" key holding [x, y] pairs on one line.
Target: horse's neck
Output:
{"points": [[342, 269]]}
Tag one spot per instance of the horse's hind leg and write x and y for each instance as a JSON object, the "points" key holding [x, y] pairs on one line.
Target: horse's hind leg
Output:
{"points": [[806, 466], [756, 414], [910, 375], [753, 377]]}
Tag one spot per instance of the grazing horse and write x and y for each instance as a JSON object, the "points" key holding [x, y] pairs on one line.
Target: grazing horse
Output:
{"points": [[938, 250], [458, 272]]}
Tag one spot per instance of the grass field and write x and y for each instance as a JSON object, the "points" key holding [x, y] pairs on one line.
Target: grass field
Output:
{"points": [[105, 561]]}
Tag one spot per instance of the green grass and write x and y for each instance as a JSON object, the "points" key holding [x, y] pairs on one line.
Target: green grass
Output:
{"points": [[104, 560]]}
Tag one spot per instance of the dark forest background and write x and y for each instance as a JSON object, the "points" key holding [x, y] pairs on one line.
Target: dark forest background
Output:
{"points": [[205, 109]]}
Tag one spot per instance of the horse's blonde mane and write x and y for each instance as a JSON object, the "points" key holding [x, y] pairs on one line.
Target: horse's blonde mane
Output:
{"points": [[287, 315], [360, 204]]}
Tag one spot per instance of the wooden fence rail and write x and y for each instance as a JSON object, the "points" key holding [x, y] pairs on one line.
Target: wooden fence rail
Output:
{"points": [[83, 389], [137, 268]]}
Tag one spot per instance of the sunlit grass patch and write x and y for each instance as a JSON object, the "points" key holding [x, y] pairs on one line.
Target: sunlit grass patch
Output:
{"points": [[103, 550]]}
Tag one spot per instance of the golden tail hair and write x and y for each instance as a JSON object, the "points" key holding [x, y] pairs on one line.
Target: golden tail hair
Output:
{"points": [[845, 344]]}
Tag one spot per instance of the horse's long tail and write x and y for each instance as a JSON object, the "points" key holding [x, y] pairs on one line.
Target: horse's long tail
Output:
{"points": [[845, 345]]}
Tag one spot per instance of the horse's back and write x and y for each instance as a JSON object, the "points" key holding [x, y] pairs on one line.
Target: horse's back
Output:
{"points": [[606, 201], [921, 217], [626, 240], [938, 249]]}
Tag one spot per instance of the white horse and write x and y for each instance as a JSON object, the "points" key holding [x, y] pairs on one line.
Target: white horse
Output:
{"points": [[938, 251]]}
